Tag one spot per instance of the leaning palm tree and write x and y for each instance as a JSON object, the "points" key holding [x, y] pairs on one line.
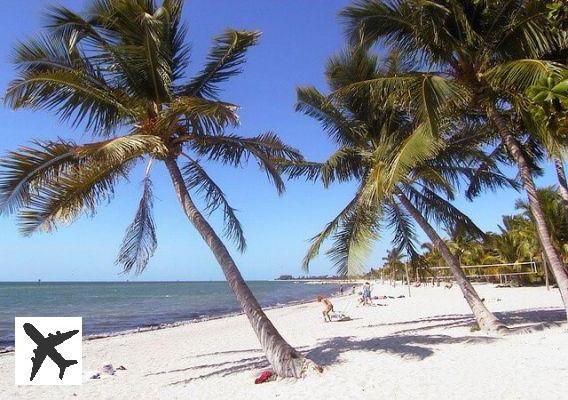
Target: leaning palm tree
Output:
{"points": [[117, 71], [491, 49], [405, 174]]}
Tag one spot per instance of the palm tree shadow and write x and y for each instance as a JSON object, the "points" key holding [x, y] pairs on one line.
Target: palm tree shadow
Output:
{"points": [[230, 367], [510, 318], [245, 364], [329, 352], [533, 316], [416, 347], [405, 343]]}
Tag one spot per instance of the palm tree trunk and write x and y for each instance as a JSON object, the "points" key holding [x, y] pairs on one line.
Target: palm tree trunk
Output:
{"points": [[486, 320], [554, 259], [284, 359], [562, 184]]}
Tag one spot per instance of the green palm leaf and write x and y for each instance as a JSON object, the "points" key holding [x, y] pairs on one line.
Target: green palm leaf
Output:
{"points": [[267, 149], [419, 147], [67, 196], [23, 171], [224, 61], [353, 239], [340, 127], [519, 75], [197, 178], [123, 147], [404, 234]]}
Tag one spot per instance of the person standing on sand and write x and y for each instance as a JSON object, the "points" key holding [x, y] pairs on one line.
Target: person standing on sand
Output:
{"points": [[341, 289], [366, 298], [327, 308]]}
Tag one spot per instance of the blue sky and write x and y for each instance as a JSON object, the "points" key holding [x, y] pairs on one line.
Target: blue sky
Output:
{"points": [[297, 38]]}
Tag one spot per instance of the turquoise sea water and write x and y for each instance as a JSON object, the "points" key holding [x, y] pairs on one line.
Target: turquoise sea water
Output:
{"points": [[118, 306]]}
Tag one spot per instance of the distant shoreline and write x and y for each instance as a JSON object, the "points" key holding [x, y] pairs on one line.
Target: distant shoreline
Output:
{"points": [[104, 335], [324, 281]]}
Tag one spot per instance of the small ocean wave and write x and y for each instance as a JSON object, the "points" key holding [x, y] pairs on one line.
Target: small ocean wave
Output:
{"points": [[118, 307]]}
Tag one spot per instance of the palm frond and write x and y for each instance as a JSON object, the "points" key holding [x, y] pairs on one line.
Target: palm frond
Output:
{"points": [[442, 212], [201, 115], [519, 75], [317, 241], [428, 95], [22, 171], [197, 178], [487, 176], [419, 147], [311, 170], [353, 239], [340, 127], [117, 149], [224, 61], [140, 240], [404, 233], [345, 164], [56, 77], [368, 21], [67, 196], [234, 150]]}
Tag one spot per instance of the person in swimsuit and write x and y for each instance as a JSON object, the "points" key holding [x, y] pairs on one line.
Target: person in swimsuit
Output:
{"points": [[367, 294], [327, 308]]}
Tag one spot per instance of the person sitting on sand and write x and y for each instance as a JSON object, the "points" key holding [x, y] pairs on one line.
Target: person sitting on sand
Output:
{"points": [[327, 308]]}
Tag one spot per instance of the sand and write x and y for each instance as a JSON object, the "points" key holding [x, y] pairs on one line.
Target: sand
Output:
{"points": [[418, 347]]}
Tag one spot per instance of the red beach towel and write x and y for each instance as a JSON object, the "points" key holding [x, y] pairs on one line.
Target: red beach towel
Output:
{"points": [[265, 376]]}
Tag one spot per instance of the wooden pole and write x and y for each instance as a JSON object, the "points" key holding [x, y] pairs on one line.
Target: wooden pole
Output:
{"points": [[545, 266]]}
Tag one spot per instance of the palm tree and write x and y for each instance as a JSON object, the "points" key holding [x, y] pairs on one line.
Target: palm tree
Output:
{"points": [[490, 49], [548, 119], [117, 70], [393, 262], [404, 172], [555, 215]]}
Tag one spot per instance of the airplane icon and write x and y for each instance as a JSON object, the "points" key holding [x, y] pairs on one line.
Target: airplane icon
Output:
{"points": [[46, 348]]}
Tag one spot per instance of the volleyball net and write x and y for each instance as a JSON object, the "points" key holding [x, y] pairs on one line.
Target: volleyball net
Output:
{"points": [[502, 271]]}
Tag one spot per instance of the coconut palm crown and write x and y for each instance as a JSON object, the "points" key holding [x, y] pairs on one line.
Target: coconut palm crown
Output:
{"points": [[120, 68], [118, 71]]}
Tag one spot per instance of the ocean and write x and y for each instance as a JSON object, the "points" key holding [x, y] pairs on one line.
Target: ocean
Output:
{"points": [[109, 307]]}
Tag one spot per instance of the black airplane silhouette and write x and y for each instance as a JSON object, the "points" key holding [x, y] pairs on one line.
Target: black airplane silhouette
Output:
{"points": [[46, 348]]}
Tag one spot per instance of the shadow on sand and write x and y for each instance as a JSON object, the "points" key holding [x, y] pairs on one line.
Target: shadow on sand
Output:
{"points": [[417, 347], [329, 352], [510, 318], [406, 343]]}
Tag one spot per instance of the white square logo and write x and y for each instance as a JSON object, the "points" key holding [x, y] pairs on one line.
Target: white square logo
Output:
{"points": [[48, 350]]}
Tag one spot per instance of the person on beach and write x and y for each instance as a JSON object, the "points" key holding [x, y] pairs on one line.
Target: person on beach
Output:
{"points": [[366, 297], [341, 289], [327, 308]]}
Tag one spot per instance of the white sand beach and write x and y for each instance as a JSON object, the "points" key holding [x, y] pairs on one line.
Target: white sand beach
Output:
{"points": [[412, 348]]}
